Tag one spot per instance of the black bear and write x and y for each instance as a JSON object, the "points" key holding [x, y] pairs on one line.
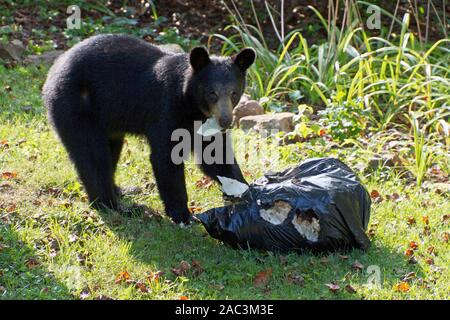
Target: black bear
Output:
{"points": [[110, 85]]}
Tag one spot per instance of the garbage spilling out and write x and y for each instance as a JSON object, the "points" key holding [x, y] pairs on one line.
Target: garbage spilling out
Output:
{"points": [[318, 206]]}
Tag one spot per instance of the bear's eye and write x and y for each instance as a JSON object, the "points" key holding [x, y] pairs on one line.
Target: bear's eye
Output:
{"points": [[213, 96]]}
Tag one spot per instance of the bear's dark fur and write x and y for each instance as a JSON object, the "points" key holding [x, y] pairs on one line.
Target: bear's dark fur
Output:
{"points": [[110, 85]]}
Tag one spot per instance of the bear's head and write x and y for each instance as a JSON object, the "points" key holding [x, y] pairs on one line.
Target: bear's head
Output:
{"points": [[216, 84]]}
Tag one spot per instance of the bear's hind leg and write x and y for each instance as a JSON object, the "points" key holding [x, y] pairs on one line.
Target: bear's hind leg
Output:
{"points": [[87, 145], [115, 147]]}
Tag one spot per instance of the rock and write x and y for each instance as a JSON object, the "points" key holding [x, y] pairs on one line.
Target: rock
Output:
{"points": [[46, 58], [12, 50], [385, 160], [171, 48], [278, 121], [246, 108]]}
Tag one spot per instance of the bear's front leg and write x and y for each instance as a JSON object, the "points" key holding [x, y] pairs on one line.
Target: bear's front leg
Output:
{"points": [[224, 164], [170, 181]]}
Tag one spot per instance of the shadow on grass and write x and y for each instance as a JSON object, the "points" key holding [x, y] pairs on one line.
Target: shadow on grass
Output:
{"points": [[230, 273], [21, 275]]}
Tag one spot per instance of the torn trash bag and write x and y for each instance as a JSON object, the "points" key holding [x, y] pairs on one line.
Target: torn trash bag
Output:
{"points": [[318, 206]]}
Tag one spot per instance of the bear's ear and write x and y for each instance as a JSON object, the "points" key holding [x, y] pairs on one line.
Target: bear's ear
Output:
{"points": [[199, 58], [245, 58]]}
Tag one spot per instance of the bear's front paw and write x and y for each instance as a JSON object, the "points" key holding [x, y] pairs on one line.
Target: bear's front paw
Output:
{"points": [[180, 216]]}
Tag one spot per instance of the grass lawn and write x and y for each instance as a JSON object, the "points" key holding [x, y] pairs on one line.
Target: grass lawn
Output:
{"points": [[52, 246]]}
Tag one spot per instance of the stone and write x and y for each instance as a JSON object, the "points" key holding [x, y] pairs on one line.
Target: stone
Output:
{"points": [[46, 58], [171, 48], [277, 121], [246, 108], [12, 50]]}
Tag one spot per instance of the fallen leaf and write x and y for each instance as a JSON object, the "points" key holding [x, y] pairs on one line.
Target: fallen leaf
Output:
{"points": [[197, 267], [425, 220], [429, 261], [324, 260], [426, 230], [409, 252], [84, 294], [358, 266], [32, 263], [103, 297], [4, 144], [413, 245], [296, 279], [194, 209], [262, 278], [343, 257], [182, 269], [431, 250], [205, 182], [9, 175], [218, 287], [123, 276], [445, 236], [411, 220], [142, 287], [155, 276], [350, 289], [184, 298], [333, 287], [394, 197], [412, 260], [322, 132], [445, 218], [376, 196], [408, 277], [401, 287]]}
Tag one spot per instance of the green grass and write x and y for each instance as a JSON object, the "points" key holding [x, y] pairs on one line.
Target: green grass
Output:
{"points": [[52, 246]]}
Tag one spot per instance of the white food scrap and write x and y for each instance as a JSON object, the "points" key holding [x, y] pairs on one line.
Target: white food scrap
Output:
{"points": [[232, 187], [209, 128], [307, 225], [277, 213]]}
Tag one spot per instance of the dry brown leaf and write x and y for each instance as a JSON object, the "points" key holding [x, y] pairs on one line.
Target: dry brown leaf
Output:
{"points": [[142, 287], [9, 175], [333, 287], [262, 278], [32, 263], [409, 252], [197, 267], [123, 276], [401, 287], [358, 266], [411, 220], [204, 182], [155, 276], [296, 279], [413, 245], [349, 288], [182, 269], [445, 236]]}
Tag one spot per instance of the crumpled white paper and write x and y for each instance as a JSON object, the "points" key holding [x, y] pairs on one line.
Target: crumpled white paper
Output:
{"points": [[209, 128], [232, 187]]}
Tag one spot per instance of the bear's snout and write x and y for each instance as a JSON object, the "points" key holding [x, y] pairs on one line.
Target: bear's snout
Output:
{"points": [[225, 121]]}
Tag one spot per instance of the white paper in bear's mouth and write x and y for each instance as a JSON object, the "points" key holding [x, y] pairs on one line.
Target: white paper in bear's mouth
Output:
{"points": [[232, 187], [209, 128]]}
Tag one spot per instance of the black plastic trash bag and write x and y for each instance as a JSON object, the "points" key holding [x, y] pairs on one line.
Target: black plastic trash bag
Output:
{"points": [[318, 206]]}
